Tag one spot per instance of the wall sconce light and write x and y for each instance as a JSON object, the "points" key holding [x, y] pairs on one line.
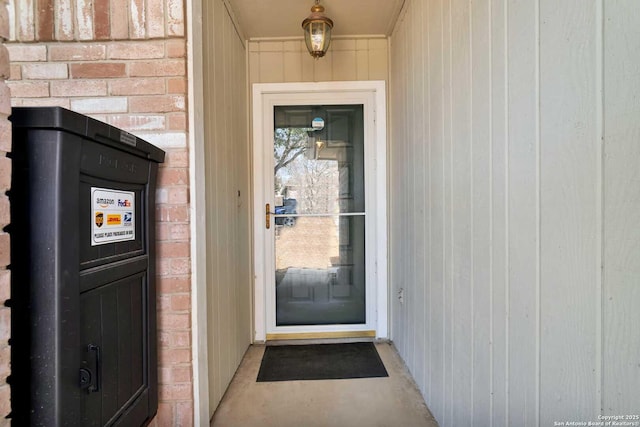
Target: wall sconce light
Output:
{"points": [[317, 31]]}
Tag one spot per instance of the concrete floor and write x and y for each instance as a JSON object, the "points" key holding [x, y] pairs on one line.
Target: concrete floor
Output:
{"points": [[384, 402]]}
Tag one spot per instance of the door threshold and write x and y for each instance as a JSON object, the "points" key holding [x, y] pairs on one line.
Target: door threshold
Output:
{"points": [[320, 335]]}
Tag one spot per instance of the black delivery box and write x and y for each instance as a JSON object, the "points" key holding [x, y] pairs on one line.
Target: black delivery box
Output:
{"points": [[83, 292]]}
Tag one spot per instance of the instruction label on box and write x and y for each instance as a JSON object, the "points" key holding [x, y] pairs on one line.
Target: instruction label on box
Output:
{"points": [[112, 216]]}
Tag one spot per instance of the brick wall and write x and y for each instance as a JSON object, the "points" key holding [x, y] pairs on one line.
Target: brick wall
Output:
{"points": [[5, 180], [122, 62]]}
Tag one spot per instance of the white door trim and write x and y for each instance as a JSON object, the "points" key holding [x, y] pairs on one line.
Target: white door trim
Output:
{"points": [[320, 93], [199, 349]]}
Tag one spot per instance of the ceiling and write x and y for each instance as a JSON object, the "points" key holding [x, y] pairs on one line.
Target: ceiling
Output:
{"points": [[282, 18]]}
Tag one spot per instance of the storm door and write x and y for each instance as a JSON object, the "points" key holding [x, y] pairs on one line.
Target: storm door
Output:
{"points": [[318, 216]]}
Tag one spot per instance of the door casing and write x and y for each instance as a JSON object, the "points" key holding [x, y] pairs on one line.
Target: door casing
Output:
{"points": [[373, 95]]}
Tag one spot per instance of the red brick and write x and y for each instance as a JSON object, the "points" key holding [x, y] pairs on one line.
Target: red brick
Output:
{"points": [[5, 99], [5, 356], [157, 104], [184, 416], [155, 19], [163, 266], [69, 88], [5, 134], [181, 302], [5, 401], [119, 19], [177, 121], [4, 26], [45, 71], [42, 102], [181, 266], [165, 417], [5, 250], [165, 375], [172, 356], [45, 20], [172, 176], [5, 177], [176, 48], [137, 122], [5, 325], [180, 232], [152, 86], [170, 213], [16, 72], [171, 249], [27, 53], [163, 231], [173, 284], [179, 195], [4, 209], [5, 63], [77, 52], [84, 20], [100, 105], [65, 17], [101, 19], [168, 322], [98, 70], [174, 339], [181, 374], [160, 68], [177, 85], [163, 303], [136, 50], [177, 159], [29, 89], [5, 285], [175, 18], [25, 30], [137, 17], [174, 392]]}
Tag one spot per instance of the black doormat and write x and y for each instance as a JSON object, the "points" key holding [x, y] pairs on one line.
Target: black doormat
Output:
{"points": [[321, 362]]}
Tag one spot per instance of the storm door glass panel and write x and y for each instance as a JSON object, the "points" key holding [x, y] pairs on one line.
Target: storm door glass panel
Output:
{"points": [[319, 215]]}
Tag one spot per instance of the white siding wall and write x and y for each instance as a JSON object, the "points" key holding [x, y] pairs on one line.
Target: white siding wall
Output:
{"points": [[284, 61], [514, 200], [228, 203]]}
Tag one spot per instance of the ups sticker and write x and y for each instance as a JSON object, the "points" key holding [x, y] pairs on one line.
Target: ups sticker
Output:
{"points": [[99, 219]]}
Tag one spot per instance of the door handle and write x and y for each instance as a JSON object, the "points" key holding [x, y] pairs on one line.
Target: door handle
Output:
{"points": [[267, 215], [96, 387]]}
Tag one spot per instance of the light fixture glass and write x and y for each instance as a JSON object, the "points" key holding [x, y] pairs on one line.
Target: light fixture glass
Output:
{"points": [[317, 31]]}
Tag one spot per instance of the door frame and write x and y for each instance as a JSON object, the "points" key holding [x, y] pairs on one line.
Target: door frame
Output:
{"points": [[265, 96]]}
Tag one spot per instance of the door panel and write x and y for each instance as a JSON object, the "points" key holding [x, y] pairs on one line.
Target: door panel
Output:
{"points": [[113, 353]]}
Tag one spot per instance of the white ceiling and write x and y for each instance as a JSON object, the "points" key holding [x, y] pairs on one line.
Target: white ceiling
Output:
{"points": [[283, 18]]}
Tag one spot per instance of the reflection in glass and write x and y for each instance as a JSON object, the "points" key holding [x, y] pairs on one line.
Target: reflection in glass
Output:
{"points": [[322, 169], [320, 274]]}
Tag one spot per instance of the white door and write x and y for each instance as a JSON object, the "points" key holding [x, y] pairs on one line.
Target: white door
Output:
{"points": [[320, 210]]}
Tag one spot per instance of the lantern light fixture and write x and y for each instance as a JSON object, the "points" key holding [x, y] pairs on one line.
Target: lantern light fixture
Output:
{"points": [[317, 31]]}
